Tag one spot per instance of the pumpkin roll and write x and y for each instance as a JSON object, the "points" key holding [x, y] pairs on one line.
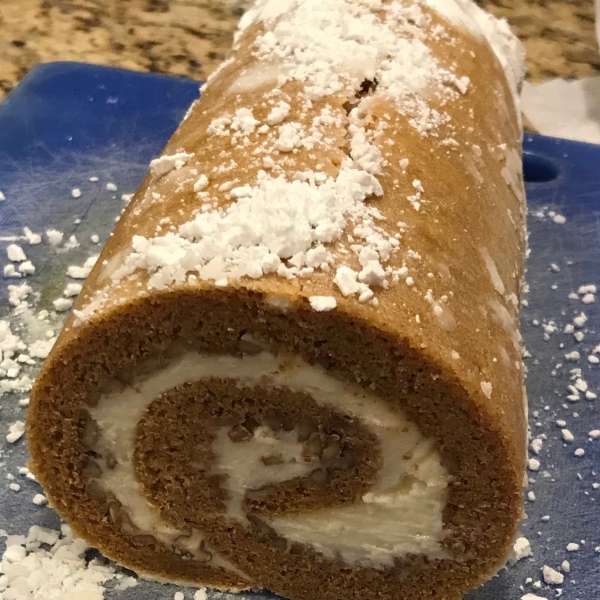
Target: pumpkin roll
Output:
{"points": [[296, 364]]}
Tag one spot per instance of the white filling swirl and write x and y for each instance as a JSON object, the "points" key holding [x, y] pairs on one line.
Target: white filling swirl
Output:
{"points": [[400, 515]]}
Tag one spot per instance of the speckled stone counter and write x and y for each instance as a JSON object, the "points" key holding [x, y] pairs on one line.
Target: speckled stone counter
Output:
{"points": [[190, 37]]}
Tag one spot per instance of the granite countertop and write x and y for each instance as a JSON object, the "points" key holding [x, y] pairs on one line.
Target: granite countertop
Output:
{"points": [[191, 37]]}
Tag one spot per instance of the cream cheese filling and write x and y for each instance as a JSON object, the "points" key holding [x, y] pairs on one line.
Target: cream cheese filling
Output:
{"points": [[400, 515]]}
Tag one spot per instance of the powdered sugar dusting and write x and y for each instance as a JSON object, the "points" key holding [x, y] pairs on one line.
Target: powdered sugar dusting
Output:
{"points": [[364, 51], [496, 31], [51, 565]]}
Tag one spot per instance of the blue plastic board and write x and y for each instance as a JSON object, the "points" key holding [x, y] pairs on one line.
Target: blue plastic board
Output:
{"points": [[67, 122]]}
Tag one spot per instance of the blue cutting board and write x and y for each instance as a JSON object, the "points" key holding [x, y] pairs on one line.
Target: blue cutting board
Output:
{"points": [[66, 123]]}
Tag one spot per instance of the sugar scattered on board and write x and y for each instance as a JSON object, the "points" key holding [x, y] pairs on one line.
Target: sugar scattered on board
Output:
{"points": [[567, 435], [15, 253], [82, 272], [551, 576], [536, 445], [72, 290], [54, 237], [27, 268], [48, 564], [40, 500], [32, 238], [62, 304], [521, 549], [15, 432]]}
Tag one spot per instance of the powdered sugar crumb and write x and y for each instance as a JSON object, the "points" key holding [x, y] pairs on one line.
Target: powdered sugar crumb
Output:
{"points": [[15, 253], [72, 290], [278, 113], [54, 237], [82, 272], [48, 564], [15, 432], [40, 500], [164, 164], [32, 238], [62, 304], [322, 303], [567, 435], [521, 549], [551, 576]]}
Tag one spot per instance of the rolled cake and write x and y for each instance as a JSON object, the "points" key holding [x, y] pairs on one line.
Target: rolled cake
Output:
{"points": [[296, 364]]}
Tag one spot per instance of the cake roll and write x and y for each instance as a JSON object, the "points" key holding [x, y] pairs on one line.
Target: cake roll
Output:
{"points": [[296, 364]]}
